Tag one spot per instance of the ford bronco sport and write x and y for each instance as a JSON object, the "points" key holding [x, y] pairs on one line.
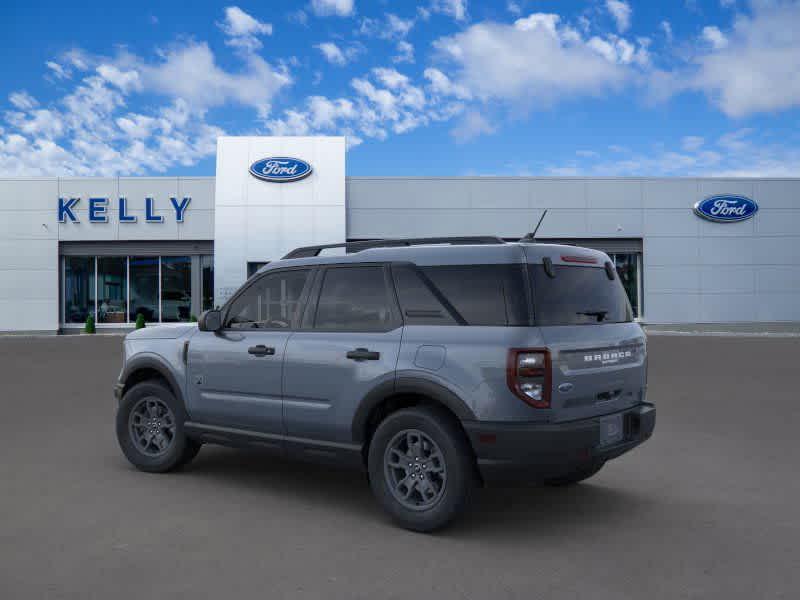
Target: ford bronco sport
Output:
{"points": [[434, 365]]}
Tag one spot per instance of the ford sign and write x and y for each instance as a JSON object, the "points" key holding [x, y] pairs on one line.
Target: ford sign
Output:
{"points": [[280, 169], [726, 209]]}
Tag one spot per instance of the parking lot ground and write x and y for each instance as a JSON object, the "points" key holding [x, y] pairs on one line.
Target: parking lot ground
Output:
{"points": [[708, 508]]}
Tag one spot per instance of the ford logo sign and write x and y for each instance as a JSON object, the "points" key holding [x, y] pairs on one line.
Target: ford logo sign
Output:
{"points": [[280, 169], [725, 208]]}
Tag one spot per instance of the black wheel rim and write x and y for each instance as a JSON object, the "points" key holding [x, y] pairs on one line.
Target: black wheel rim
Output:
{"points": [[152, 426], [415, 470]]}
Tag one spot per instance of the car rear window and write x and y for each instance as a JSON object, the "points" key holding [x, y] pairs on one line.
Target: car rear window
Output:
{"points": [[491, 295], [578, 296]]}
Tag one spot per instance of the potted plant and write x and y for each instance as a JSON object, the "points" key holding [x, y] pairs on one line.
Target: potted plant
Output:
{"points": [[89, 327], [140, 321]]}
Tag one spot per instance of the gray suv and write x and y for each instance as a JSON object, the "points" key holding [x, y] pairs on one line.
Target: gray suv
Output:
{"points": [[435, 365]]}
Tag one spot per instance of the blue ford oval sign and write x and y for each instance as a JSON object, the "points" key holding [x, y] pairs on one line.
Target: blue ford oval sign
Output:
{"points": [[280, 169], [726, 209]]}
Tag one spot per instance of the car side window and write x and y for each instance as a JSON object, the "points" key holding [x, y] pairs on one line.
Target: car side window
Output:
{"points": [[270, 302], [354, 299]]}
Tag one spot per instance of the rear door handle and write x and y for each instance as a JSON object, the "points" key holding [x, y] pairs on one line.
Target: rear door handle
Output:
{"points": [[363, 354], [261, 350]]}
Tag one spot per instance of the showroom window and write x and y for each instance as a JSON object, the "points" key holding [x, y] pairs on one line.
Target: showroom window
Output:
{"points": [[79, 288], [115, 290]]}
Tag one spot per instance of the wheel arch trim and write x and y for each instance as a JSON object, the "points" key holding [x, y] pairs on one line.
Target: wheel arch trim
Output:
{"points": [[155, 363], [407, 385]]}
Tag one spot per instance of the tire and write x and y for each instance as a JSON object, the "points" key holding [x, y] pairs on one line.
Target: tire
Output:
{"points": [[575, 476], [431, 441], [168, 447]]}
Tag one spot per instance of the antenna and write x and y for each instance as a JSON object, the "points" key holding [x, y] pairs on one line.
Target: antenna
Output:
{"points": [[531, 237]]}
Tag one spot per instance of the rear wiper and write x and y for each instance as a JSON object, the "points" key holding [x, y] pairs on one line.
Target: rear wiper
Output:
{"points": [[599, 314]]}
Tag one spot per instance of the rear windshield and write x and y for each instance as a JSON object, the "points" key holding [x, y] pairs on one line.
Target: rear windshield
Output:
{"points": [[578, 296]]}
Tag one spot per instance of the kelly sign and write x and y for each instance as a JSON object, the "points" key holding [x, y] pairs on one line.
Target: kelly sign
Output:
{"points": [[99, 208]]}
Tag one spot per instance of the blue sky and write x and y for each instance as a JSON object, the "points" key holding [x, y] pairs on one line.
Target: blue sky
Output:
{"points": [[438, 87]]}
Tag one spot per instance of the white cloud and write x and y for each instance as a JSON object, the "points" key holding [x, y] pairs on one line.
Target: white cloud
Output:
{"points": [[385, 101], [391, 27], [91, 130], [472, 124], [715, 37], [692, 143], [514, 8], [727, 3], [666, 27], [453, 8], [190, 72], [758, 70], [735, 154], [537, 60], [440, 84], [621, 11], [336, 55], [22, 100], [243, 29], [57, 70], [397, 26], [339, 8], [405, 53]]}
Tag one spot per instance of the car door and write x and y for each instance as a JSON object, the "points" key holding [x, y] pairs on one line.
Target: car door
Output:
{"points": [[235, 373], [348, 345]]}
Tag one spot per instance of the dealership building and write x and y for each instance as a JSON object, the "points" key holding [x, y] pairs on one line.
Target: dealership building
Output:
{"points": [[688, 250]]}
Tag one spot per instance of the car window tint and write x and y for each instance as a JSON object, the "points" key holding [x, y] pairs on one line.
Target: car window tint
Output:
{"points": [[418, 299], [483, 294], [270, 302], [354, 299]]}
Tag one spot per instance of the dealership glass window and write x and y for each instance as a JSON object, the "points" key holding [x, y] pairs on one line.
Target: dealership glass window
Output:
{"points": [[79, 288], [176, 288], [207, 274], [253, 267], [629, 269], [112, 289], [115, 289], [144, 288]]}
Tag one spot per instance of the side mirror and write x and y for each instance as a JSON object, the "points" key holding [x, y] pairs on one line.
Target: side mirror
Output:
{"points": [[210, 320]]}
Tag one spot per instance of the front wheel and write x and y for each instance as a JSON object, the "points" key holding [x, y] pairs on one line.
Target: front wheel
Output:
{"points": [[150, 429], [421, 468]]}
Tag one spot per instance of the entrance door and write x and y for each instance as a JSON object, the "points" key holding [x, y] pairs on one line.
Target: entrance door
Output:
{"points": [[235, 374]]}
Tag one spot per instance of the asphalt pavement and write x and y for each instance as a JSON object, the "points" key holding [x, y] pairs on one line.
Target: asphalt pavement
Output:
{"points": [[708, 508]]}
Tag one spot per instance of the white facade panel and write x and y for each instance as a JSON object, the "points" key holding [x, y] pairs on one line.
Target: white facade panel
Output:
{"points": [[259, 220]]}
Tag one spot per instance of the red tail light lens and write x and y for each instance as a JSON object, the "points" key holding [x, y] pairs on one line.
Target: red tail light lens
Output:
{"points": [[529, 375]]}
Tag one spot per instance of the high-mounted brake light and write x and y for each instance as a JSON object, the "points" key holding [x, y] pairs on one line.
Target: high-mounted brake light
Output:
{"points": [[529, 375], [587, 260]]}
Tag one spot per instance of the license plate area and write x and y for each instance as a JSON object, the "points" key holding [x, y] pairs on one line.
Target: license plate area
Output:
{"points": [[612, 430]]}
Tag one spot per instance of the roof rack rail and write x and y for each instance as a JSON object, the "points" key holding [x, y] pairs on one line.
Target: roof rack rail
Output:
{"points": [[350, 247]]}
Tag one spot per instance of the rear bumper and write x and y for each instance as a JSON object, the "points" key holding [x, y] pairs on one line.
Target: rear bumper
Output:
{"points": [[536, 451]]}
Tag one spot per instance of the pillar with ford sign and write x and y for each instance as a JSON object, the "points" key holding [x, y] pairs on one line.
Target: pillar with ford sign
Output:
{"points": [[259, 221]]}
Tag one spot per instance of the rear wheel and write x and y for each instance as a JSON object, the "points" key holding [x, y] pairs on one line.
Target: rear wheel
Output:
{"points": [[575, 476], [421, 468], [150, 429]]}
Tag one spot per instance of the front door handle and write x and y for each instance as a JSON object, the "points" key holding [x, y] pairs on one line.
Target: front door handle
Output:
{"points": [[363, 354], [261, 350]]}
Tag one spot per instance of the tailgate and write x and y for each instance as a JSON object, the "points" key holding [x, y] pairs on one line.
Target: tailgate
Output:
{"points": [[597, 369]]}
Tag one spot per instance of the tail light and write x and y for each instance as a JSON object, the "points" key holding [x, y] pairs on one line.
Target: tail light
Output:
{"points": [[529, 375]]}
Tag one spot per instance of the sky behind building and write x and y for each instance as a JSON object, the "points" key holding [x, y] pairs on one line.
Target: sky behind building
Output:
{"points": [[439, 87]]}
